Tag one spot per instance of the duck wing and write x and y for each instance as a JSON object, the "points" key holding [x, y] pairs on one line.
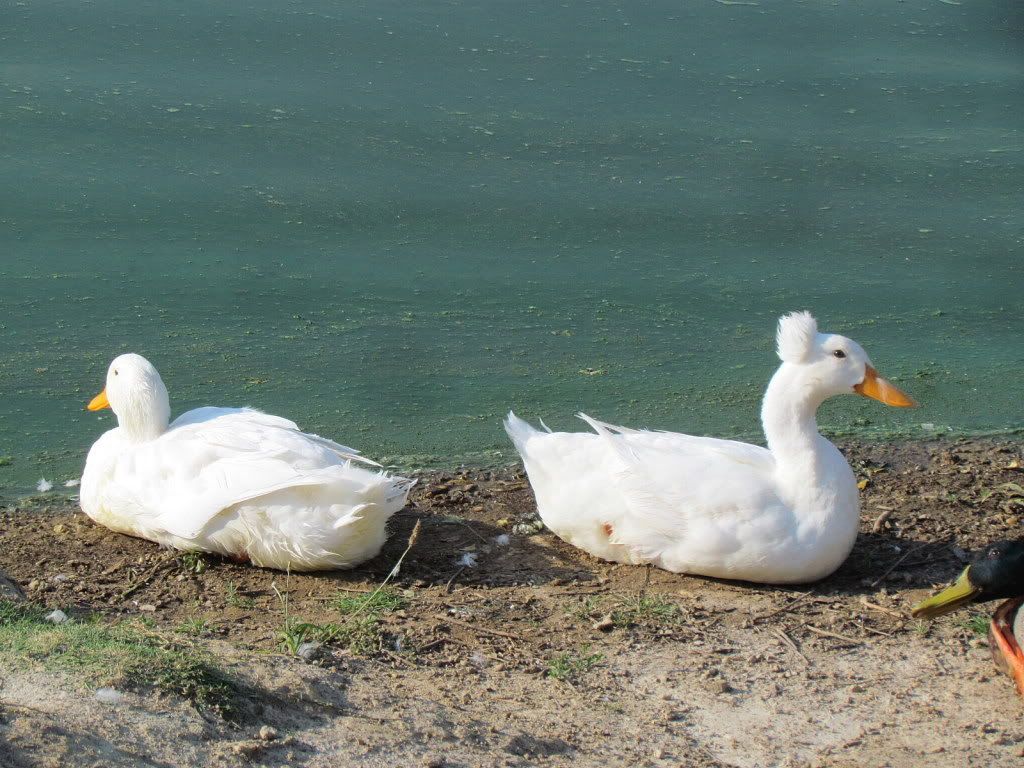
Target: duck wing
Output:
{"points": [[682, 491], [213, 458], [239, 432]]}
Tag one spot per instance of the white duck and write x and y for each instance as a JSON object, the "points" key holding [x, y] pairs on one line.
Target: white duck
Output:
{"points": [[231, 480], [785, 514]]}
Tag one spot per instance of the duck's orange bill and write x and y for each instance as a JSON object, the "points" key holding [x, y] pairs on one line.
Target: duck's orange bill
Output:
{"points": [[874, 386], [99, 402], [1006, 650]]}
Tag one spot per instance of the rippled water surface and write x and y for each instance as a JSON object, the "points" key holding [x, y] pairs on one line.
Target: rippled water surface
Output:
{"points": [[392, 221]]}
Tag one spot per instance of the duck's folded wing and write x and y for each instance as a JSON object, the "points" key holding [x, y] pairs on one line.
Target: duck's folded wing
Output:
{"points": [[201, 467], [238, 427], [679, 488]]}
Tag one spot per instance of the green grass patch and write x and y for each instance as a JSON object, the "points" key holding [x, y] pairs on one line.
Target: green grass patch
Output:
{"points": [[644, 610], [194, 626], [125, 654], [571, 664], [976, 623], [359, 630], [586, 609], [193, 562], [233, 598], [373, 604], [360, 636]]}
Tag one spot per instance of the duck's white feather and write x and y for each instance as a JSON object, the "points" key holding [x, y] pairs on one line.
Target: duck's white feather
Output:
{"points": [[684, 503]]}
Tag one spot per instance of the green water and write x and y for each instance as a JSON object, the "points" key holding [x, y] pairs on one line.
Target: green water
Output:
{"points": [[393, 221]]}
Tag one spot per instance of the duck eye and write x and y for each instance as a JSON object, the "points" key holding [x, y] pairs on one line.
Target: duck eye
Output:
{"points": [[839, 353]]}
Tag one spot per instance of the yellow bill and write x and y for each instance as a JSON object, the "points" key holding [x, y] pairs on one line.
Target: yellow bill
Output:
{"points": [[874, 386], [949, 599], [99, 402]]}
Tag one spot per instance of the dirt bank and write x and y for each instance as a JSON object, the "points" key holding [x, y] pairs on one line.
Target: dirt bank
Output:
{"points": [[528, 652]]}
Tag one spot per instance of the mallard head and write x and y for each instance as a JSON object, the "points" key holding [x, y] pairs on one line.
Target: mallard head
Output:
{"points": [[997, 574]]}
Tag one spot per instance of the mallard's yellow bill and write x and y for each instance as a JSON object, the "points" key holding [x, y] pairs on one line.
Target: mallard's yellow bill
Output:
{"points": [[99, 402], [949, 599], [874, 386]]}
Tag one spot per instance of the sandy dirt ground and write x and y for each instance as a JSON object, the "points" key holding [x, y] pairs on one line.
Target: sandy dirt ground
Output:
{"points": [[528, 652]]}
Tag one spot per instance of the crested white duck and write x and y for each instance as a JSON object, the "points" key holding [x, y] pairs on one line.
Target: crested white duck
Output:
{"points": [[787, 513], [233, 481]]}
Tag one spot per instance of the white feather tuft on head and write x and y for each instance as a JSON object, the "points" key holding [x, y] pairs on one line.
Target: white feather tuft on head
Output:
{"points": [[795, 337]]}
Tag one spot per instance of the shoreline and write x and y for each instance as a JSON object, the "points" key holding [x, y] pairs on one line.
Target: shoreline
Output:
{"points": [[507, 463]]}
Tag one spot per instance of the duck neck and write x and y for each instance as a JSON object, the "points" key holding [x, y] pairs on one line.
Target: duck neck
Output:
{"points": [[788, 415], [146, 416]]}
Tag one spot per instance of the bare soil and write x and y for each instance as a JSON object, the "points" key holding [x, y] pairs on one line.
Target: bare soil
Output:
{"points": [[541, 655]]}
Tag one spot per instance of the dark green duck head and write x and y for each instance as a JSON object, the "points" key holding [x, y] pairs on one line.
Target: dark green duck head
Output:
{"points": [[998, 573]]}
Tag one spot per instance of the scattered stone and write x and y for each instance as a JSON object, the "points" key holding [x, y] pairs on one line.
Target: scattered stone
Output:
{"points": [[247, 748], [268, 733], [56, 617], [308, 651], [108, 696], [528, 529], [479, 660], [605, 623], [502, 540], [10, 591]]}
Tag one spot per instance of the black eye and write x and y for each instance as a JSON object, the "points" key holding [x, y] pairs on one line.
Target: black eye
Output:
{"points": [[115, 373], [839, 353]]}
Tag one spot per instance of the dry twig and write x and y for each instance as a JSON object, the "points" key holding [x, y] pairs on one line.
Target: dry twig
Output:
{"points": [[789, 606], [836, 635], [893, 567], [481, 630], [781, 634]]}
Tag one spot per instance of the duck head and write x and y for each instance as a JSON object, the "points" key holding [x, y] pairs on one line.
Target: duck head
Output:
{"points": [[997, 574], [827, 364], [138, 397]]}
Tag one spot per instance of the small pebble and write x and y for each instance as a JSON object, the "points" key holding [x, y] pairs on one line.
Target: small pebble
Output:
{"points": [[268, 733], [108, 696], [56, 617], [308, 651], [605, 623], [246, 748]]}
